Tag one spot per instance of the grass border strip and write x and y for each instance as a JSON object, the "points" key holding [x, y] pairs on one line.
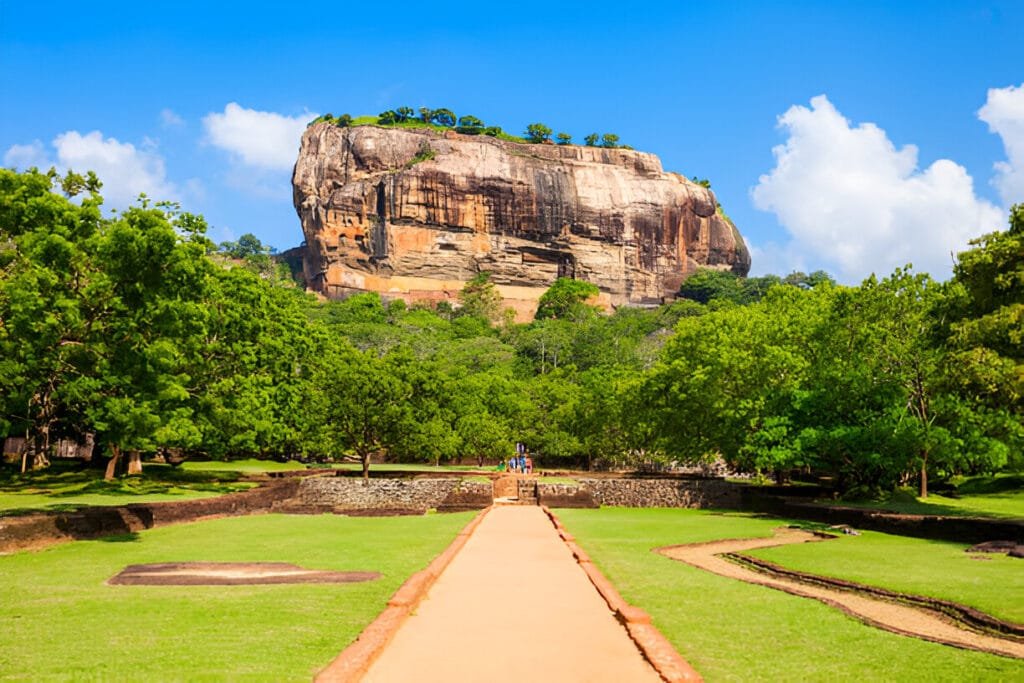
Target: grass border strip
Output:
{"points": [[653, 645], [355, 660], [962, 615]]}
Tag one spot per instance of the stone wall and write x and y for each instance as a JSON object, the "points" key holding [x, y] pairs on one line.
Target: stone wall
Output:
{"points": [[565, 496], [674, 493], [419, 494]]}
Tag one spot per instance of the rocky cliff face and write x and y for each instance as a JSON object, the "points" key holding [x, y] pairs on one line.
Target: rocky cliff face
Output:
{"points": [[414, 213]]}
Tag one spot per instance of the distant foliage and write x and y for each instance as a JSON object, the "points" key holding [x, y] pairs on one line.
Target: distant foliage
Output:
{"points": [[567, 299], [342, 121], [443, 117], [469, 125], [537, 132], [710, 285]]}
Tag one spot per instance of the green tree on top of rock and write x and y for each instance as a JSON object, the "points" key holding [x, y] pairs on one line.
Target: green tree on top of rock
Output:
{"points": [[563, 139], [443, 117], [470, 125], [537, 132], [591, 140]]}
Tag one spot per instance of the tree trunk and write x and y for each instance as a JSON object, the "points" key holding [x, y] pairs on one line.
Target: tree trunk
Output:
{"points": [[924, 474], [480, 461], [40, 448], [366, 469], [134, 462], [115, 460]]}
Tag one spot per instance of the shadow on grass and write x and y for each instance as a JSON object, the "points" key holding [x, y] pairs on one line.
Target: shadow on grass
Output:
{"points": [[917, 507], [130, 537]]}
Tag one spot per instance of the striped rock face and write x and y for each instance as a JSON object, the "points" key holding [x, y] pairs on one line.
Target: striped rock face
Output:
{"points": [[415, 213]]}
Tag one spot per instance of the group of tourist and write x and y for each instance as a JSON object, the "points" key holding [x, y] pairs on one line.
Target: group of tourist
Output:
{"points": [[521, 462]]}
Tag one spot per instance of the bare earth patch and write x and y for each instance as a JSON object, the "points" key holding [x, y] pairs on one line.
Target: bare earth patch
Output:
{"points": [[870, 609], [229, 574]]}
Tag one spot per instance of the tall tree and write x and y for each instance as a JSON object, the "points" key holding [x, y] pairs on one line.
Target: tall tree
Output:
{"points": [[360, 402], [53, 302], [158, 278], [987, 315]]}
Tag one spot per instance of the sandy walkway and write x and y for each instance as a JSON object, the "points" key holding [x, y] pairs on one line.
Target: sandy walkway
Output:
{"points": [[512, 606], [881, 613]]}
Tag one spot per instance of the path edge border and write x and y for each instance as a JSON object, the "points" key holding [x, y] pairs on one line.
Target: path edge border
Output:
{"points": [[651, 642], [354, 661]]}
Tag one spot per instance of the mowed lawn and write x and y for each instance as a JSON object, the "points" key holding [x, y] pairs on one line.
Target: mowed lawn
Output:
{"points": [[63, 622], [733, 631], [61, 489]]}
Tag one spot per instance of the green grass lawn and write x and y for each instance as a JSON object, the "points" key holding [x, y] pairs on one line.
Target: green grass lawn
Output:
{"points": [[733, 631], [63, 622], [408, 467], [64, 488], [938, 569], [568, 481], [249, 466]]}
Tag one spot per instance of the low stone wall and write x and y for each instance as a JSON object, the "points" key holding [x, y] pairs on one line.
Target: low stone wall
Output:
{"points": [[672, 493], [41, 530], [419, 494], [565, 496]]}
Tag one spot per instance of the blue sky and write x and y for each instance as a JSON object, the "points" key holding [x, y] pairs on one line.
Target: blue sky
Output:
{"points": [[201, 102]]}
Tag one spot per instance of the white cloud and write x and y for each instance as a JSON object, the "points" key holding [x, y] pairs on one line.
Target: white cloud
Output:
{"points": [[170, 119], [1004, 114], [27, 156], [854, 204], [261, 139], [125, 170]]}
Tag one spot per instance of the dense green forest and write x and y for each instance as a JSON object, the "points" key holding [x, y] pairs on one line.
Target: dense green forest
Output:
{"points": [[138, 329]]}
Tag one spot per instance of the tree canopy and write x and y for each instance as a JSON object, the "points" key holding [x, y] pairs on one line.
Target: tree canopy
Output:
{"points": [[138, 330]]}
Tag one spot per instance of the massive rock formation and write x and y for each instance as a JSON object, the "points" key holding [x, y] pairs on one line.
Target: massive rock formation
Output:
{"points": [[414, 213]]}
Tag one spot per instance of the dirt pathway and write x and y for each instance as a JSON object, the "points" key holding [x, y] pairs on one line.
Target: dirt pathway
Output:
{"points": [[512, 606], [876, 612]]}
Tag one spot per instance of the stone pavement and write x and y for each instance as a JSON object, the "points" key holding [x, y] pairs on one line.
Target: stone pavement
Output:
{"points": [[512, 606]]}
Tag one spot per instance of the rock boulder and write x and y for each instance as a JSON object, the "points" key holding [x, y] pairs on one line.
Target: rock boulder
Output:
{"points": [[415, 213]]}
